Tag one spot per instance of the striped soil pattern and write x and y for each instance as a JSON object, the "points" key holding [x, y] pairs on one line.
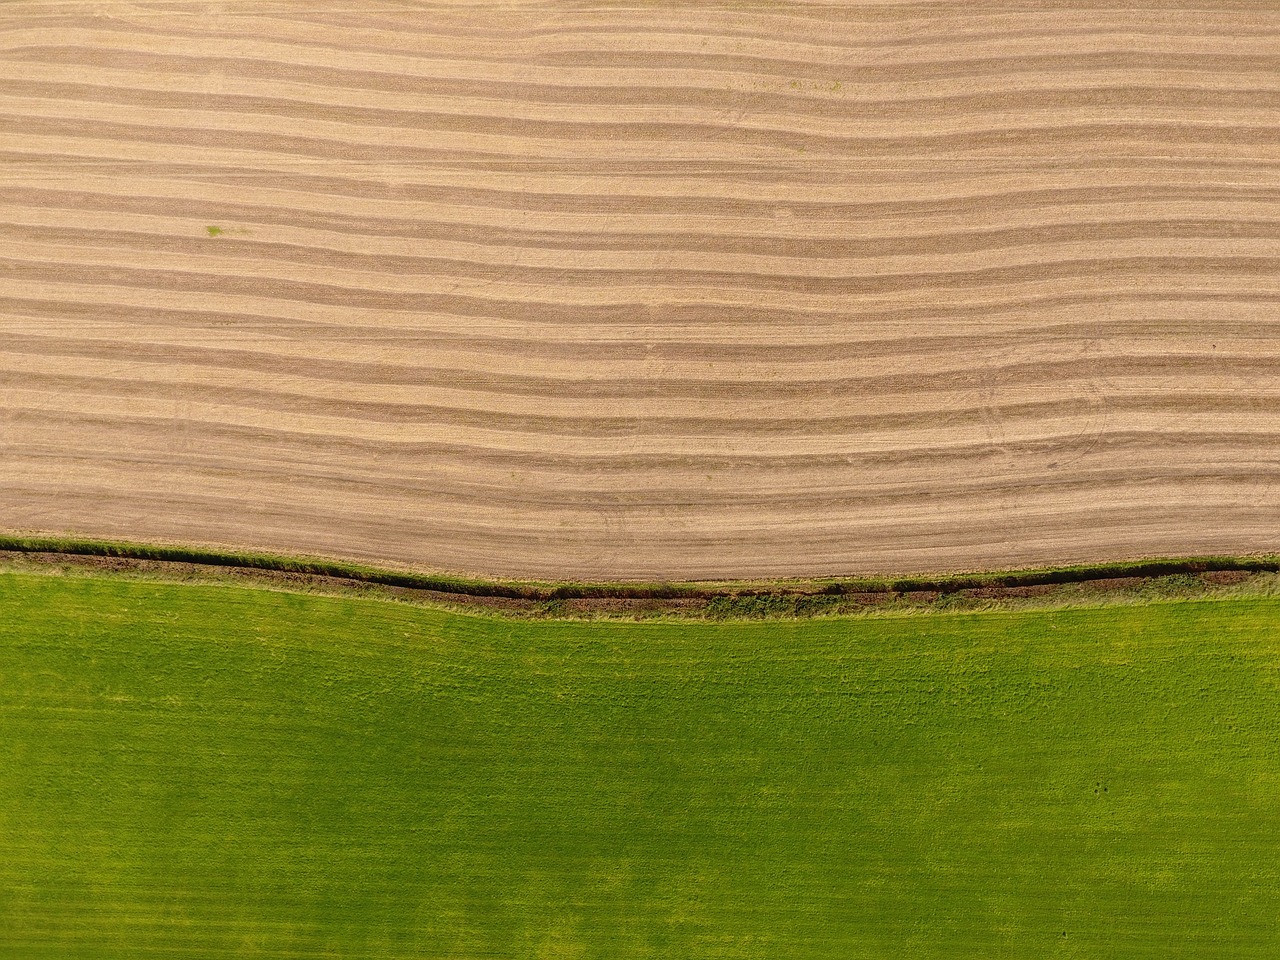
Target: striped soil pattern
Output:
{"points": [[605, 290]]}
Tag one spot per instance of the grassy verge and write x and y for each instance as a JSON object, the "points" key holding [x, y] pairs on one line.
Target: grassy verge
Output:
{"points": [[204, 770], [1092, 584]]}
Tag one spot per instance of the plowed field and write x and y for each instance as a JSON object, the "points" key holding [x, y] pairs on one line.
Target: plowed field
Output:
{"points": [[602, 290]]}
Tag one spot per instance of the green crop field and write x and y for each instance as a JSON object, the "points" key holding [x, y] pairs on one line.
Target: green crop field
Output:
{"points": [[212, 771]]}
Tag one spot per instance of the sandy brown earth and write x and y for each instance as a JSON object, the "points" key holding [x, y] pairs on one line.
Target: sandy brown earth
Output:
{"points": [[604, 290]]}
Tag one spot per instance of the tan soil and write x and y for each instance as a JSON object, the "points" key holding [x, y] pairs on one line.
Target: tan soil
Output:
{"points": [[648, 290]]}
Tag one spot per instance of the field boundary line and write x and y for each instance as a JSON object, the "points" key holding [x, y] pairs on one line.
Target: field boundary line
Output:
{"points": [[1145, 578]]}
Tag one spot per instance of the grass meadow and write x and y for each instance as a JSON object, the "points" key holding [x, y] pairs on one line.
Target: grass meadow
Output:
{"points": [[214, 771]]}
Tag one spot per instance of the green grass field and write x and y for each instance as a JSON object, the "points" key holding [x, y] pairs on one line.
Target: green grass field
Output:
{"points": [[209, 771]]}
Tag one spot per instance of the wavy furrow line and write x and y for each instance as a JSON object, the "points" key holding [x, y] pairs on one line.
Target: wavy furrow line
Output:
{"points": [[614, 331], [954, 373], [1133, 48], [534, 218], [479, 248], [944, 365], [147, 71], [375, 357], [1156, 272], [646, 433], [485, 107], [825, 495], [325, 140], [597, 510], [295, 450]]}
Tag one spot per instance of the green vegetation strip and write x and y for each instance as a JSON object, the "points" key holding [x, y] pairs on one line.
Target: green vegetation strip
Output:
{"points": [[545, 592], [223, 772], [262, 561]]}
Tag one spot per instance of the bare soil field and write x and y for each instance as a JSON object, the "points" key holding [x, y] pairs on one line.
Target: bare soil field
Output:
{"points": [[593, 290]]}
